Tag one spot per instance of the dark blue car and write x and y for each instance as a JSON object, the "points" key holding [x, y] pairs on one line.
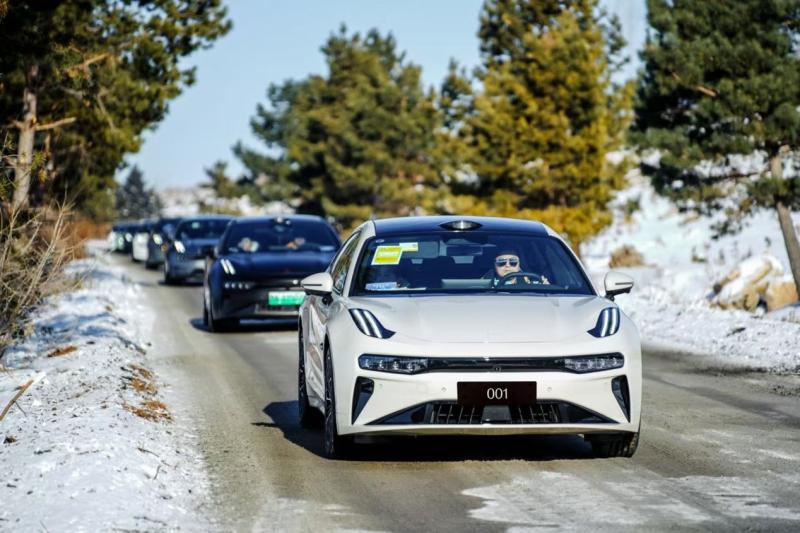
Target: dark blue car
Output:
{"points": [[193, 241], [257, 266]]}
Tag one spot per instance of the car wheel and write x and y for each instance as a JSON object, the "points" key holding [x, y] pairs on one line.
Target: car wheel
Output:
{"points": [[334, 445], [168, 279], [309, 417], [621, 445], [205, 312]]}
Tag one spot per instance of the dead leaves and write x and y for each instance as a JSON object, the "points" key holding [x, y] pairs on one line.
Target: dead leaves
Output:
{"points": [[64, 350], [143, 382]]}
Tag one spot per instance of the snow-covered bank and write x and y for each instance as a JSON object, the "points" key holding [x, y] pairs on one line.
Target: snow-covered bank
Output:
{"points": [[92, 446], [671, 301]]}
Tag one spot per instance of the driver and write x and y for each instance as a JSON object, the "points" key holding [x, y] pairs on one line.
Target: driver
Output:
{"points": [[507, 262]]}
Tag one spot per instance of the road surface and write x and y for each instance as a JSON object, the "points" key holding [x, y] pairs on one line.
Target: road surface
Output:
{"points": [[720, 450]]}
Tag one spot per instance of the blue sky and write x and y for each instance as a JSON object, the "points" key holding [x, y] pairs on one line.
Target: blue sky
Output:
{"points": [[273, 41]]}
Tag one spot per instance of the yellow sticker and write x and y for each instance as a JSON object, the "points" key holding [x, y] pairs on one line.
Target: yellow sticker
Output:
{"points": [[387, 255], [409, 246]]}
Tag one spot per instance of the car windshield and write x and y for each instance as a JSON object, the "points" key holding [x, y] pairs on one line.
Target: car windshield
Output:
{"points": [[474, 262], [280, 236], [201, 229], [166, 226]]}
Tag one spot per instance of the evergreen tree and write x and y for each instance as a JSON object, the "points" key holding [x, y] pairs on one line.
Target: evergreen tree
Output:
{"points": [[135, 200], [547, 116], [81, 80], [355, 143], [721, 80], [220, 182]]}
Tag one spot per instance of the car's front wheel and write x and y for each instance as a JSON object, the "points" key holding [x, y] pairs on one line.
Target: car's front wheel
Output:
{"points": [[168, 278], [309, 417], [217, 325], [618, 445], [334, 445]]}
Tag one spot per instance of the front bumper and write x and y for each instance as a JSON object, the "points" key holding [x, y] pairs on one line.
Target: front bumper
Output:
{"points": [[426, 403], [185, 267], [254, 303]]}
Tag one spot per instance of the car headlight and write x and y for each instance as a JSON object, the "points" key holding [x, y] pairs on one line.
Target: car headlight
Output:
{"points": [[607, 323], [227, 266], [238, 285], [593, 363], [369, 325], [157, 239], [179, 247], [392, 363]]}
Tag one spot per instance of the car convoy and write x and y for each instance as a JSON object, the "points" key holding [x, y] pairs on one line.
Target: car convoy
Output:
{"points": [[420, 325]]}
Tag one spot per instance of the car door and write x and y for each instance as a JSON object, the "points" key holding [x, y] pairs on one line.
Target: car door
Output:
{"points": [[319, 309]]}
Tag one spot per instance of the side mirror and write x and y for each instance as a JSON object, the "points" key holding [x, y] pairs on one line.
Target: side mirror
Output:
{"points": [[318, 284], [617, 283]]}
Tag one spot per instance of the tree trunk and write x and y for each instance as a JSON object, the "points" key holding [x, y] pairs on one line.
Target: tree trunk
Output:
{"points": [[27, 133], [787, 227]]}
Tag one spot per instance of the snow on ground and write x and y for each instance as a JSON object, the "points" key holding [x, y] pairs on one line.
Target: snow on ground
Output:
{"points": [[74, 453], [671, 299]]}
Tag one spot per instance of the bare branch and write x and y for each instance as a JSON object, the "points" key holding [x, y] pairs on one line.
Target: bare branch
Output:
{"points": [[56, 124], [84, 65]]}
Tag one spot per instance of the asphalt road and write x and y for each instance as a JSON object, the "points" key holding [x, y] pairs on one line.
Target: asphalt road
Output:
{"points": [[720, 450]]}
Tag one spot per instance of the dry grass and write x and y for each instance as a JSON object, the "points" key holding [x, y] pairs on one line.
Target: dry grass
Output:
{"points": [[142, 381], [153, 410], [33, 250], [80, 230], [64, 350]]}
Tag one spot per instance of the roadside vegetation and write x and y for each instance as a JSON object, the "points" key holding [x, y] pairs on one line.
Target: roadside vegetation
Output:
{"points": [[80, 82]]}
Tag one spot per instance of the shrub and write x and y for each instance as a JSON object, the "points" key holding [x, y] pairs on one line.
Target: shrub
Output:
{"points": [[33, 249]]}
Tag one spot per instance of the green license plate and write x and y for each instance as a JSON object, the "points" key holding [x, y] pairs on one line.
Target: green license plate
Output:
{"points": [[286, 298]]}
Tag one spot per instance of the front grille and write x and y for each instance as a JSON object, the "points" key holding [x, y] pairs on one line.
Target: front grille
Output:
{"points": [[451, 413]]}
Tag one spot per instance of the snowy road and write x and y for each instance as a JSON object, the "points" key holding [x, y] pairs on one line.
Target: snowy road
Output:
{"points": [[719, 451]]}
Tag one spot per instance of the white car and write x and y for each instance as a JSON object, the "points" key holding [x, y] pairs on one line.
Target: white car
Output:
{"points": [[454, 325]]}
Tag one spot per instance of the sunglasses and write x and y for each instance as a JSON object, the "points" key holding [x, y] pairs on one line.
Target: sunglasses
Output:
{"points": [[504, 262]]}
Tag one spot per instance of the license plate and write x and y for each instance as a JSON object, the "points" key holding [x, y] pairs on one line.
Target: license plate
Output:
{"points": [[286, 298], [497, 393]]}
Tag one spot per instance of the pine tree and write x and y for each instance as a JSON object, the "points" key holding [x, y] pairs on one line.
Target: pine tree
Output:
{"points": [[135, 200], [721, 80], [220, 182], [355, 143], [81, 81], [548, 115]]}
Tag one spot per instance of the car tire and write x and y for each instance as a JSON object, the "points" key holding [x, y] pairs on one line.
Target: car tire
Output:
{"points": [[219, 325], [620, 445], [168, 278], [206, 321], [335, 446], [308, 416]]}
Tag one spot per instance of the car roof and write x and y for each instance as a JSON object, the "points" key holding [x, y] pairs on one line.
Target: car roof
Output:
{"points": [[268, 218], [389, 226], [206, 217]]}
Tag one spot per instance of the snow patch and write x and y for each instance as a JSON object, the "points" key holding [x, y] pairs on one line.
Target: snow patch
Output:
{"points": [[671, 301], [72, 457]]}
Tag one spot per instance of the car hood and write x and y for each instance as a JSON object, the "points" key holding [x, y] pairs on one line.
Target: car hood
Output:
{"points": [[487, 317], [282, 264]]}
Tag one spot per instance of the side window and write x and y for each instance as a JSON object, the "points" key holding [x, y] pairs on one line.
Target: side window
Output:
{"points": [[340, 265]]}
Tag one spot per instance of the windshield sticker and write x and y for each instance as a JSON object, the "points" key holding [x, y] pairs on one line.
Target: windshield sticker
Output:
{"points": [[382, 286], [409, 246], [387, 255]]}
